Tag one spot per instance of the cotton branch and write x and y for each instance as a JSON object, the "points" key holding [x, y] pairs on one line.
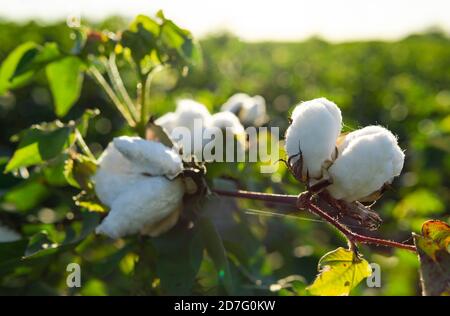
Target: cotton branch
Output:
{"points": [[303, 201]]}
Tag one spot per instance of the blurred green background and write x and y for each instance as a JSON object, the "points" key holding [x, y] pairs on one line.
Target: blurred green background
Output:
{"points": [[404, 85]]}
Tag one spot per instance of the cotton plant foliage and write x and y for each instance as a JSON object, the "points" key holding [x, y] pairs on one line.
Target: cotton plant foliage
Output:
{"points": [[136, 178], [250, 110], [190, 111], [315, 127], [368, 159], [7, 234], [357, 164]]}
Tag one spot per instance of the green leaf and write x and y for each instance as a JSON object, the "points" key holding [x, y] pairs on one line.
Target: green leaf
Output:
{"points": [[65, 78], [41, 245], [179, 254], [35, 59], [40, 143], [141, 37], [27, 194], [217, 252], [9, 66], [339, 272], [433, 248]]}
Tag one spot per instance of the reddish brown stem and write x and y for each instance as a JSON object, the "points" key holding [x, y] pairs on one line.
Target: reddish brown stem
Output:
{"points": [[354, 237], [303, 202]]}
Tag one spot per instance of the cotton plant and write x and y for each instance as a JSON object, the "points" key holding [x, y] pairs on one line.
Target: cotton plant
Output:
{"points": [[250, 110]]}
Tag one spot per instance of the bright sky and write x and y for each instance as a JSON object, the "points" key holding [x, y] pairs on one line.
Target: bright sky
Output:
{"points": [[260, 19]]}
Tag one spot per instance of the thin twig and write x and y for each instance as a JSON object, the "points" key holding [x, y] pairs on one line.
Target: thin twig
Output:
{"points": [[273, 198], [84, 147], [109, 91], [116, 80], [303, 201]]}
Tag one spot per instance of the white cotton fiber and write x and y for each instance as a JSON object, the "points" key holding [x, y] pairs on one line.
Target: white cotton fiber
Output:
{"points": [[250, 110], [146, 202], [152, 157], [315, 126], [368, 158], [228, 120], [133, 179], [7, 234]]}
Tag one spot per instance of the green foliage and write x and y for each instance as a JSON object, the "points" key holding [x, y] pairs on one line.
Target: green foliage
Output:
{"points": [[65, 79], [40, 143], [340, 271]]}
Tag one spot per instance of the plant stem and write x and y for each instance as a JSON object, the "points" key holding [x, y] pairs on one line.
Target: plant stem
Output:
{"points": [[113, 97], [303, 202], [116, 79], [84, 147], [354, 237]]}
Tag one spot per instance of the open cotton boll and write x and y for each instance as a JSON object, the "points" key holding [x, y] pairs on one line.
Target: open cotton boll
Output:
{"points": [[254, 111], [235, 103], [7, 234], [137, 159], [188, 111], [369, 159], [250, 110], [168, 121], [228, 120], [316, 124], [152, 157], [146, 202]]}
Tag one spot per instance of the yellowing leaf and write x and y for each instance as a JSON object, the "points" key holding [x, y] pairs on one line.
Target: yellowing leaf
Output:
{"points": [[340, 271], [434, 256]]}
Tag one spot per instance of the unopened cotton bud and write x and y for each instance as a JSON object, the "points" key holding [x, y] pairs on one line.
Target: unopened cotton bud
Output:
{"points": [[7, 234], [368, 159], [145, 203], [315, 126]]}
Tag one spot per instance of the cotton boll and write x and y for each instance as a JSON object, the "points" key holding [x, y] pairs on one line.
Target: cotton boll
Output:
{"points": [[152, 157], [147, 202], [137, 158], [188, 111], [7, 234], [254, 111], [235, 103], [168, 121], [250, 110], [225, 120], [229, 123], [114, 174], [369, 159], [316, 124]]}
